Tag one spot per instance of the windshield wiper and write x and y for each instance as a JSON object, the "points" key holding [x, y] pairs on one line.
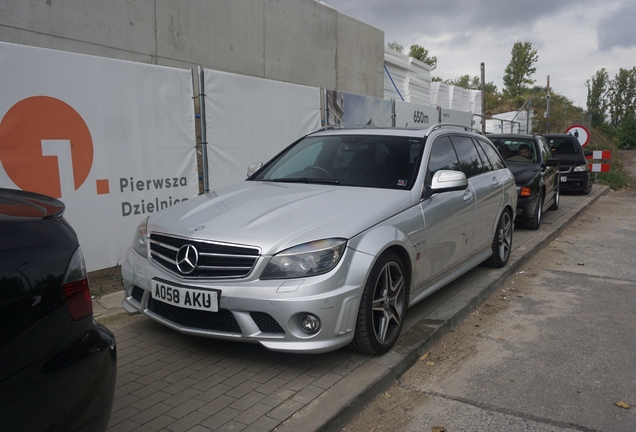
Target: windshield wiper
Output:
{"points": [[303, 180]]}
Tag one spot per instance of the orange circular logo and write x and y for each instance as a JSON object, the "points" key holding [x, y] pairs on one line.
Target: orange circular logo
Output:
{"points": [[23, 129]]}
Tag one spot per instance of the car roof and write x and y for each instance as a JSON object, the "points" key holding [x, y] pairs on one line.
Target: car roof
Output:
{"points": [[559, 135], [349, 129], [513, 136]]}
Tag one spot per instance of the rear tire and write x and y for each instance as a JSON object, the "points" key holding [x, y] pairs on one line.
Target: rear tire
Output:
{"points": [[557, 198], [382, 307], [502, 243]]}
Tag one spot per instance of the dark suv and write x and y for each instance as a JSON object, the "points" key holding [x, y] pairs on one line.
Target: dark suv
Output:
{"points": [[574, 171], [536, 172], [57, 365]]}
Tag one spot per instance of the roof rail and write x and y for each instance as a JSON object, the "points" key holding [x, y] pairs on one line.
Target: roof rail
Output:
{"points": [[441, 125], [346, 126]]}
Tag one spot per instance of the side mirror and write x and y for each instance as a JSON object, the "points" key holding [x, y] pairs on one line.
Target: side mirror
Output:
{"points": [[588, 153], [447, 181], [252, 168]]}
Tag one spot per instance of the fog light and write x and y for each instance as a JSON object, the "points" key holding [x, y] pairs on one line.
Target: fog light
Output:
{"points": [[309, 323]]}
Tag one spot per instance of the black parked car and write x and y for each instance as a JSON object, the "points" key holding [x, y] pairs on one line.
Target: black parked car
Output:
{"points": [[574, 170], [536, 172], [57, 365]]}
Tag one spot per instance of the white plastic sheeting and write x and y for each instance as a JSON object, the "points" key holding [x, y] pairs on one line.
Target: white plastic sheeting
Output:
{"points": [[251, 119], [114, 140], [406, 75], [510, 122]]}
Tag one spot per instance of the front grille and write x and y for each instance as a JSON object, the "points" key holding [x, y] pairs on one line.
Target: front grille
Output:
{"points": [[223, 320], [266, 323], [564, 169], [216, 260]]}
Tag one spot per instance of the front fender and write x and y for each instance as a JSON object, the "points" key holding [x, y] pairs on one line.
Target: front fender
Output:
{"points": [[378, 239], [392, 234]]}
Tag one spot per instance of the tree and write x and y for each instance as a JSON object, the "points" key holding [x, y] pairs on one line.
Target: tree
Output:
{"points": [[519, 71], [472, 83], [626, 131], [420, 53], [395, 46], [597, 97], [465, 81], [622, 95]]}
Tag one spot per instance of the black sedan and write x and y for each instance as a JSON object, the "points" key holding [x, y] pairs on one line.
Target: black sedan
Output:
{"points": [[574, 169], [57, 365], [536, 172]]}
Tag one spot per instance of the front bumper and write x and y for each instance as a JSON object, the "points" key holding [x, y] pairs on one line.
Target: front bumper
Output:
{"points": [[526, 207], [574, 181], [259, 311]]}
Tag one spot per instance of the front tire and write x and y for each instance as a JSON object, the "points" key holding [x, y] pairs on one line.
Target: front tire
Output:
{"points": [[588, 189], [502, 243], [382, 307], [534, 222]]}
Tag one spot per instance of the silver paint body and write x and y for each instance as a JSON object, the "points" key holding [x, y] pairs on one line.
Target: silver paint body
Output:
{"points": [[440, 238]]}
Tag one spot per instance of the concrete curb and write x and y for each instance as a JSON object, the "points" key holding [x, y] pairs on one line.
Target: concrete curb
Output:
{"points": [[338, 405]]}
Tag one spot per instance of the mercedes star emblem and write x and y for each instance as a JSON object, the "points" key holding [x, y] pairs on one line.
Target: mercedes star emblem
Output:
{"points": [[187, 259]]}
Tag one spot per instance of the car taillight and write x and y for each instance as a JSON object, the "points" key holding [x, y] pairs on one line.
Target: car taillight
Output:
{"points": [[77, 293]]}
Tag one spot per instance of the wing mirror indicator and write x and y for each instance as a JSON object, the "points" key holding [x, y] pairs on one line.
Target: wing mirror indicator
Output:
{"points": [[252, 168]]}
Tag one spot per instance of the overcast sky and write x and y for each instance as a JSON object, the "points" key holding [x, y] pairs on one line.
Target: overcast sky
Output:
{"points": [[573, 38]]}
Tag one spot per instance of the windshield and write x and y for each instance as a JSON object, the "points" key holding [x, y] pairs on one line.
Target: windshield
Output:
{"points": [[564, 146], [516, 150], [365, 160]]}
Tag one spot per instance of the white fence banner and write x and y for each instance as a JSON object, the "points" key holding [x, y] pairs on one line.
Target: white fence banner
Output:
{"points": [[463, 118], [358, 109], [251, 119], [415, 115], [114, 140]]}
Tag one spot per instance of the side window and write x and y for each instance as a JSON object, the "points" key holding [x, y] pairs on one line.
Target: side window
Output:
{"points": [[546, 151], [493, 155], [482, 155], [443, 156], [470, 162]]}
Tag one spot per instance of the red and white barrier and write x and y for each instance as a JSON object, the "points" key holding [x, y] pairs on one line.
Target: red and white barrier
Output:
{"points": [[599, 167], [599, 154]]}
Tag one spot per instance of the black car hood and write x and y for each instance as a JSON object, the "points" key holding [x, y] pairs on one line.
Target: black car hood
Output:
{"points": [[524, 172], [17, 205]]}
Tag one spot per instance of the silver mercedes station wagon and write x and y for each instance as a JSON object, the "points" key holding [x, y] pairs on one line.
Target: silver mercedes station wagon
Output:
{"points": [[328, 243]]}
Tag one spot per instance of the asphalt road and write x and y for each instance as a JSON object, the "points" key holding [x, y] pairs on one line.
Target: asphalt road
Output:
{"points": [[553, 349]]}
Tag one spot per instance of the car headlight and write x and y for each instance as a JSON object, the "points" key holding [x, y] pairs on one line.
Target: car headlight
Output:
{"points": [[309, 259], [581, 168], [140, 242]]}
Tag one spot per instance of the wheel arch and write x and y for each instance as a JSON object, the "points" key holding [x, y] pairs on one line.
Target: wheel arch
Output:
{"points": [[382, 239]]}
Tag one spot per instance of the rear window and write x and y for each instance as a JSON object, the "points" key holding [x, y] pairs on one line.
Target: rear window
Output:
{"points": [[516, 149]]}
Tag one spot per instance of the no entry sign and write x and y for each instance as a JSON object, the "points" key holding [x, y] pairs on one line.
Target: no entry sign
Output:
{"points": [[580, 132]]}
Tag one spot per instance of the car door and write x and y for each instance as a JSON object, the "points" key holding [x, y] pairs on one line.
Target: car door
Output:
{"points": [[488, 189], [448, 216], [550, 173]]}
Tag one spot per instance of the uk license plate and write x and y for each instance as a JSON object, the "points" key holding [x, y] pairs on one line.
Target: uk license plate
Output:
{"points": [[185, 297], [564, 179]]}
